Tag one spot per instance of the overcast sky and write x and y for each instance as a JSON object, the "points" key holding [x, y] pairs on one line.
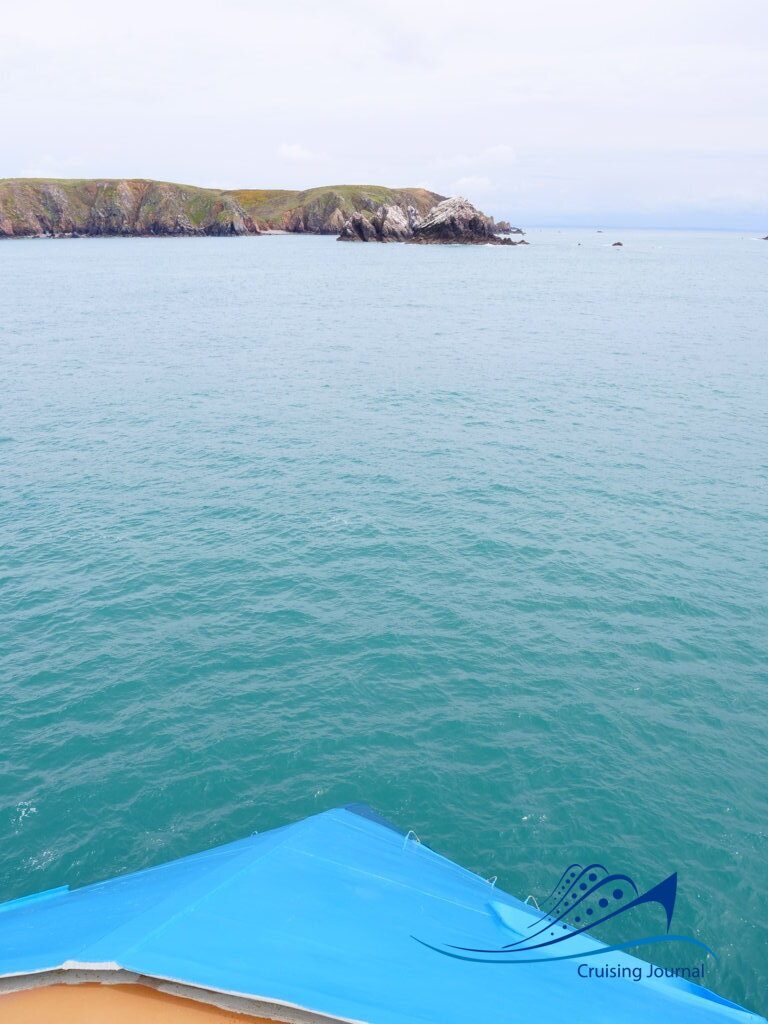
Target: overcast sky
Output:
{"points": [[544, 111]]}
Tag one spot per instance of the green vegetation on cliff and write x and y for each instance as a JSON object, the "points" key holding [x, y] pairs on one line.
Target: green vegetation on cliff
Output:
{"points": [[46, 207], [325, 210]]}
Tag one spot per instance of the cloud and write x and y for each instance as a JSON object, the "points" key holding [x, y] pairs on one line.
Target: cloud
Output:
{"points": [[298, 154], [500, 154], [49, 166], [472, 183], [570, 109]]}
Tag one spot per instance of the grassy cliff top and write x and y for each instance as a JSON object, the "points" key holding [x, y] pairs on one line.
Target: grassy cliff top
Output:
{"points": [[273, 203]]}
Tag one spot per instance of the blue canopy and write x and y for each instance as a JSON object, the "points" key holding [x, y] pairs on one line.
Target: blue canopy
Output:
{"points": [[335, 914]]}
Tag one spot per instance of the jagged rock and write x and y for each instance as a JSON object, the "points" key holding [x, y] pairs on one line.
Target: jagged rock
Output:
{"points": [[325, 214], [617, 243], [321, 215], [358, 229], [456, 220], [392, 224], [414, 217], [503, 227], [450, 221], [387, 224]]}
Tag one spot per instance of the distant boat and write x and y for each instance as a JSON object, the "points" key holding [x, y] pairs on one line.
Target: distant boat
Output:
{"points": [[335, 918]]}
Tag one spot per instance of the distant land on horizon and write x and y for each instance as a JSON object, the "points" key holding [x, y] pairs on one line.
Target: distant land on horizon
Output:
{"points": [[114, 207], [83, 207]]}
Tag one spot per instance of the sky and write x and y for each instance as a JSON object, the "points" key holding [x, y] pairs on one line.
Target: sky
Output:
{"points": [[628, 112]]}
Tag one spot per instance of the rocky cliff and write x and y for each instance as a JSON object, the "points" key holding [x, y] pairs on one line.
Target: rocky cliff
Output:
{"points": [[451, 221], [457, 220], [325, 211], [74, 208], [387, 224]]}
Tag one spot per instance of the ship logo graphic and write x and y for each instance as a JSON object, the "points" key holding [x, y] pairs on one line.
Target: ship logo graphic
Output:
{"points": [[583, 898]]}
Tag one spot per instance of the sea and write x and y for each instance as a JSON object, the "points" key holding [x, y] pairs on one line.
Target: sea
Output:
{"points": [[476, 535]]}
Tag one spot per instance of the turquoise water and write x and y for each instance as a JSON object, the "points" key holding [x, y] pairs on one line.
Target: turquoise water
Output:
{"points": [[477, 535]]}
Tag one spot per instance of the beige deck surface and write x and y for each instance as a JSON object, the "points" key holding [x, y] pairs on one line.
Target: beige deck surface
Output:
{"points": [[110, 1004]]}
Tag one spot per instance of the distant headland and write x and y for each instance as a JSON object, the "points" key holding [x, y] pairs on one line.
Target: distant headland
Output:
{"points": [[132, 207]]}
